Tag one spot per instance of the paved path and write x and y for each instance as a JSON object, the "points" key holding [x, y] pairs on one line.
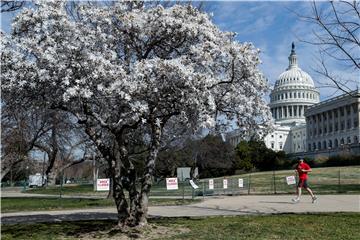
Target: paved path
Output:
{"points": [[235, 205]]}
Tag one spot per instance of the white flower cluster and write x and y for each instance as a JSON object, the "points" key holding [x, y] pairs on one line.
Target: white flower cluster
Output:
{"points": [[134, 65]]}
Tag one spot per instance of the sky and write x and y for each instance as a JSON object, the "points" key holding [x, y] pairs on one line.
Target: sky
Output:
{"points": [[271, 26]]}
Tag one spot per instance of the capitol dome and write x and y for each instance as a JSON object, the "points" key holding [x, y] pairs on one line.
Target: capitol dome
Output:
{"points": [[293, 93]]}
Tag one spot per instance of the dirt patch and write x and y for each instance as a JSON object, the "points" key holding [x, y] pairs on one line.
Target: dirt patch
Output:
{"points": [[150, 232]]}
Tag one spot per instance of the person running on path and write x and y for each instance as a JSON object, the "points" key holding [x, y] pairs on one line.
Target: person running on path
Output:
{"points": [[302, 169]]}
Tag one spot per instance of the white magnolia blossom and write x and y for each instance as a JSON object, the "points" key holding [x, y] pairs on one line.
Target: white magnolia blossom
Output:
{"points": [[131, 65]]}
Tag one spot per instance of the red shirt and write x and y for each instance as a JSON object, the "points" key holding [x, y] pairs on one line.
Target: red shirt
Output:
{"points": [[302, 175]]}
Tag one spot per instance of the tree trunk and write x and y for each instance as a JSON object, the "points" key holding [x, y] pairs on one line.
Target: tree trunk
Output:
{"points": [[3, 173], [120, 201], [118, 192], [141, 212], [51, 178]]}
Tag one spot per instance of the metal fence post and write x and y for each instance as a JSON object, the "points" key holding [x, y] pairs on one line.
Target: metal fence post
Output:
{"points": [[339, 182], [203, 185], [274, 182], [192, 193], [249, 183], [183, 190]]}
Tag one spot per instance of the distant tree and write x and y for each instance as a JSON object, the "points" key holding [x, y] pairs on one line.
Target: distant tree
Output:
{"points": [[211, 155], [21, 130], [254, 154], [215, 157], [336, 33]]}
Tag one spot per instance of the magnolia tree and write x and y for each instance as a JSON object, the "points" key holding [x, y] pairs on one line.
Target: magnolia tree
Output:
{"points": [[130, 72]]}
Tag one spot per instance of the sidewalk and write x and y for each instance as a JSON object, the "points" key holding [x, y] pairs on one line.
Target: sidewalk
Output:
{"points": [[235, 205]]}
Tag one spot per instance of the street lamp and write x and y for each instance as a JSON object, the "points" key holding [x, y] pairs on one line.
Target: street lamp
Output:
{"points": [[329, 149]]}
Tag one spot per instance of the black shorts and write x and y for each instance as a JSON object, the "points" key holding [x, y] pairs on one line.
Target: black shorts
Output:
{"points": [[302, 183]]}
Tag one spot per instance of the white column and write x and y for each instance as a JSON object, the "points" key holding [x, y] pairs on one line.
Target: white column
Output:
{"points": [[317, 125], [333, 120], [345, 119], [339, 119], [327, 122], [352, 114]]}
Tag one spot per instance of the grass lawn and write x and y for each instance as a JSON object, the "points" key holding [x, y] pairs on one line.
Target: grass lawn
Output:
{"points": [[39, 203], [300, 226], [321, 180], [66, 190]]}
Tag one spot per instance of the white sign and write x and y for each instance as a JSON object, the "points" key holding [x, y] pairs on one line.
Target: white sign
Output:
{"points": [[225, 183], [241, 182], [183, 173], [290, 180], [194, 186], [211, 184], [171, 183], [103, 184]]}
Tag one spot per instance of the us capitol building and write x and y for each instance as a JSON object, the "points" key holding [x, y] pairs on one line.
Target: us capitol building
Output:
{"points": [[304, 125]]}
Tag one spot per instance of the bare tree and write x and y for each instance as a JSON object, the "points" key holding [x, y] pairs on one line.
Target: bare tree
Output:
{"points": [[336, 34], [9, 6], [21, 129], [65, 145]]}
